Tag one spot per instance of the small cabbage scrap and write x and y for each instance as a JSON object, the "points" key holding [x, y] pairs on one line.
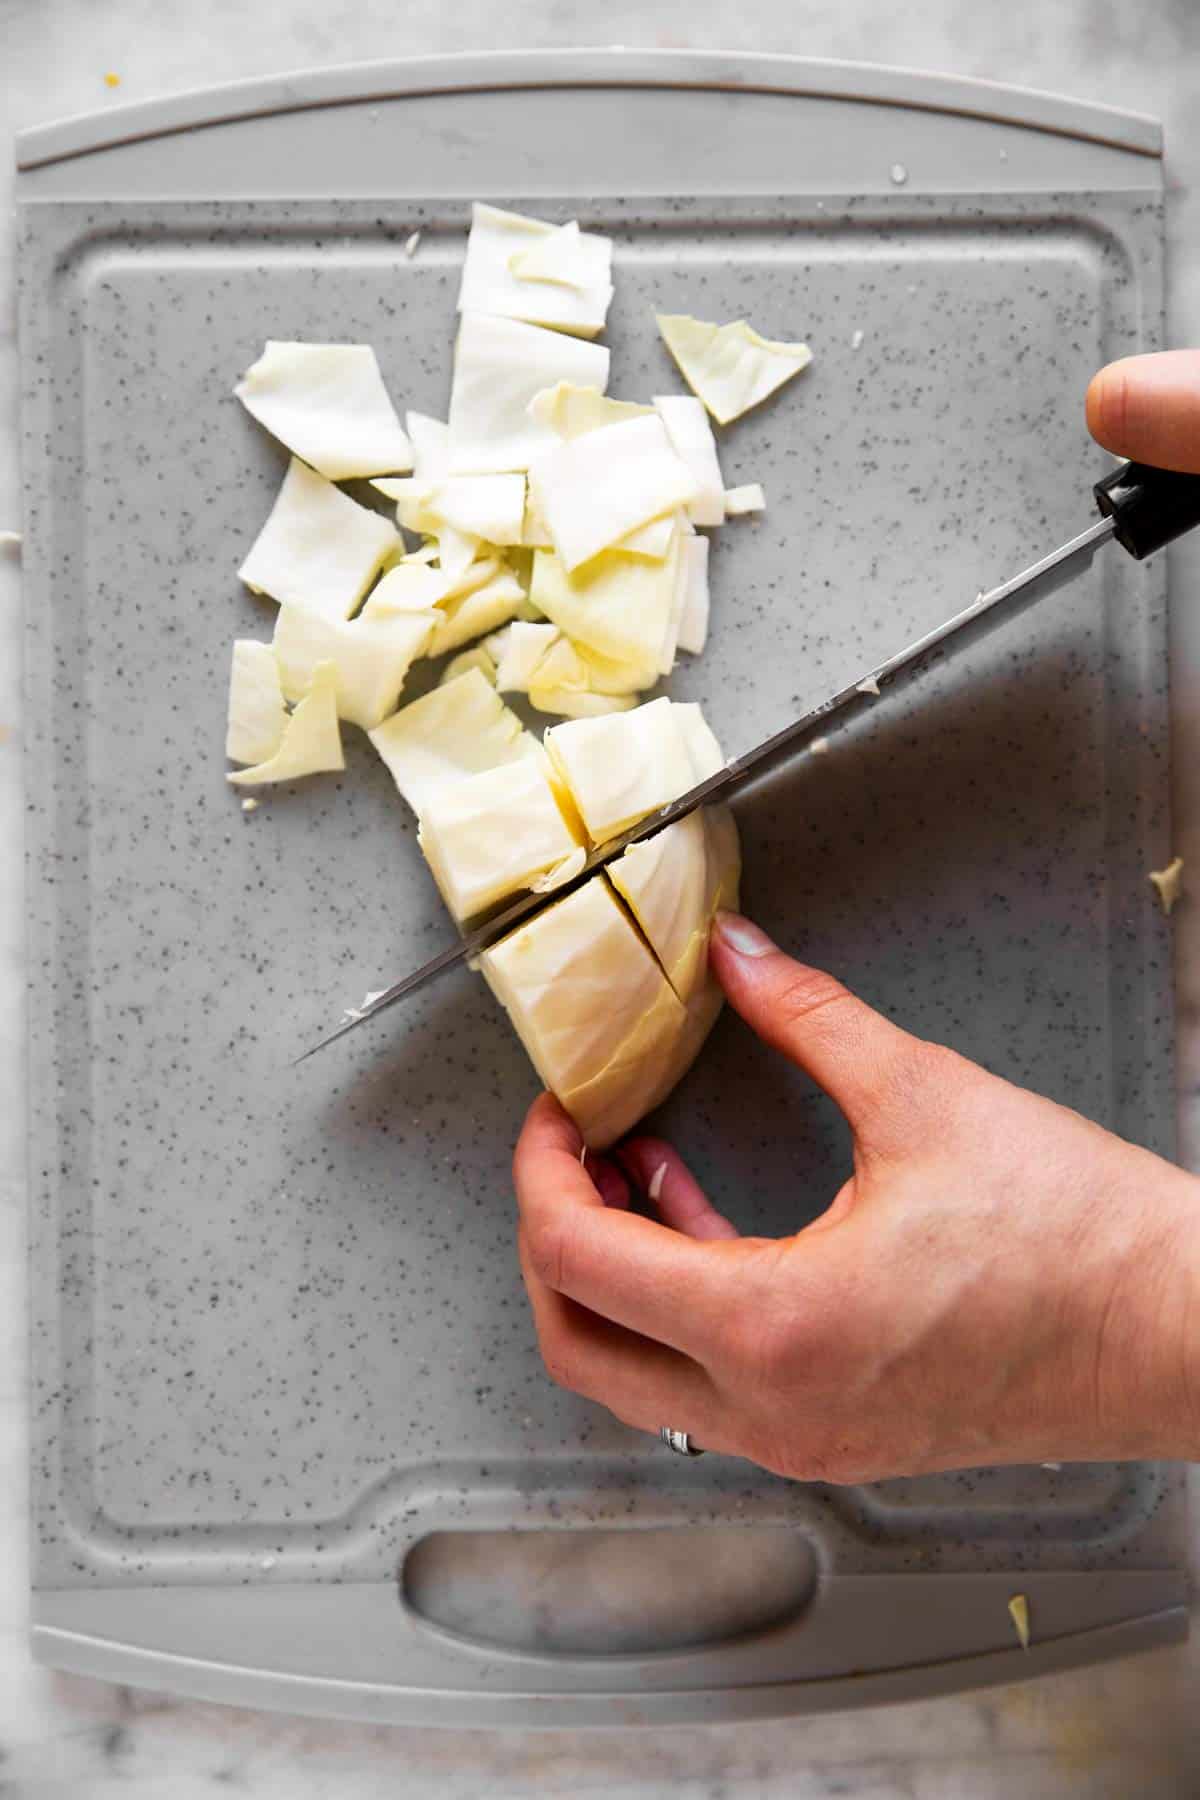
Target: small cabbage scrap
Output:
{"points": [[499, 366], [692, 437], [574, 296], [730, 367], [592, 490], [318, 549], [311, 740], [328, 404], [371, 654], [492, 834], [257, 715], [1018, 1612], [450, 732], [1168, 883], [746, 499]]}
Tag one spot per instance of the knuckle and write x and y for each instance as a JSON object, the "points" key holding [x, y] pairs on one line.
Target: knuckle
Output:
{"points": [[805, 992], [548, 1249]]}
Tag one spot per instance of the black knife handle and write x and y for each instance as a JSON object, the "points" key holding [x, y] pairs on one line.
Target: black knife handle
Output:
{"points": [[1148, 506]]}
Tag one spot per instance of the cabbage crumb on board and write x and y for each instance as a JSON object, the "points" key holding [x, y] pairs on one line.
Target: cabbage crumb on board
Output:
{"points": [[1168, 884], [1018, 1612], [547, 542]]}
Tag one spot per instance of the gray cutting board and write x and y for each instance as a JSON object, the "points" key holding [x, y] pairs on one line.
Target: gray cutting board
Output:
{"points": [[279, 1334]]}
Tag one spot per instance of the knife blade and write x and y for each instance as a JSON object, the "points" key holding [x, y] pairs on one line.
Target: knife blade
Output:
{"points": [[1141, 508]]}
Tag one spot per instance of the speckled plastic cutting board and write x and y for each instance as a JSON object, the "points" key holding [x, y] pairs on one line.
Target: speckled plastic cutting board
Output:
{"points": [[279, 1334]]}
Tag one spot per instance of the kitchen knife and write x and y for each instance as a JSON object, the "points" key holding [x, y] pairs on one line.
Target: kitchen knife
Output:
{"points": [[1140, 507]]}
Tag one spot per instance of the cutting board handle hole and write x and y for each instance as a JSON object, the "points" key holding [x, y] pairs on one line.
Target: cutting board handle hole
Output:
{"points": [[582, 1592]]}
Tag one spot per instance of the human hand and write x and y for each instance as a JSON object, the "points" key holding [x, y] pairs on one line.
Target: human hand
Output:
{"points": [[999, 1280], [1148, 409]]}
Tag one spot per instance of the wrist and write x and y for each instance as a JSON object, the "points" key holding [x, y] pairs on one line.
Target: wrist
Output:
{"points": [[1148, 1354]]}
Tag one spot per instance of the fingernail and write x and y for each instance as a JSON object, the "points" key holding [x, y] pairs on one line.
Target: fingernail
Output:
{"points": [[741, 935]]}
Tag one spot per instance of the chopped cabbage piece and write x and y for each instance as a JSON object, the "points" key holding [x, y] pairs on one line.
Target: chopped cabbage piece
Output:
{"points": [[653, 540], [534, 535], [499, 365], [493, 834], [431, 446], [409, 587], [558, 257], [328, 404], [311, 740], [577, 703], [411, 496], [450, 732], [318, 549], [616, 605], [575, 683], [621, 767], [571, 411], [574, 666], [478, 657], [491, 507], [490, 284], [594, 489], [692, 437], [747, 499], [257, 715], [680, 590], [472, 614], [457, 550], [693, 626], [730, 367], [480, 507], [371, 654], [521, 648]]}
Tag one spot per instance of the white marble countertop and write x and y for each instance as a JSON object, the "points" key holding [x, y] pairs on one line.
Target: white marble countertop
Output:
{"points": [[1127, 1729]]}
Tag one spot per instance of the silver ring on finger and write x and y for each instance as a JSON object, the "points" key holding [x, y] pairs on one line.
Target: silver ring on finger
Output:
{"points": [[679, 1441]]}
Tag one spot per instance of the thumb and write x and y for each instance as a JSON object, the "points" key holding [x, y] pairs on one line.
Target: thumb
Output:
{"points": [[1148, 408], [851, 1051]]}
